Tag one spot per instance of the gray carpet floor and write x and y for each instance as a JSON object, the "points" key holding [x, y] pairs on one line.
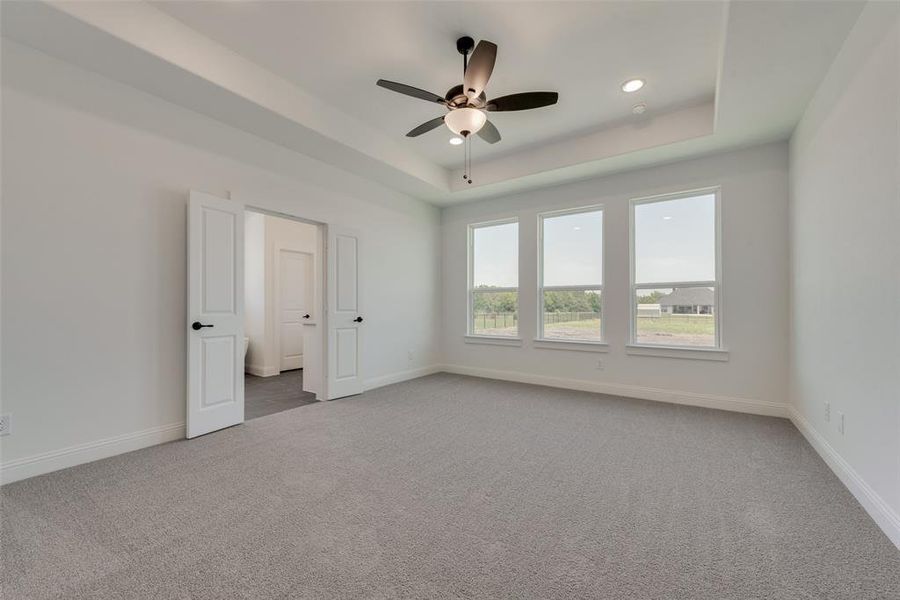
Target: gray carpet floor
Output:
{"points": [[454, 487], [269, 395]]}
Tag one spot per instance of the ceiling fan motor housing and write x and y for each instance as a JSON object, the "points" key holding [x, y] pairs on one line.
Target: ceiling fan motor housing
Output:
{"points": [[456, 98]]}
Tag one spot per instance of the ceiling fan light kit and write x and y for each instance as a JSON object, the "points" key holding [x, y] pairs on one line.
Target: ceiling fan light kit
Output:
{"points": [[465, 121], [467, 104]]}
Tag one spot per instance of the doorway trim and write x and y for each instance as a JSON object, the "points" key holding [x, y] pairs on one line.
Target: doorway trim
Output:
{"points": [[321, 277]]}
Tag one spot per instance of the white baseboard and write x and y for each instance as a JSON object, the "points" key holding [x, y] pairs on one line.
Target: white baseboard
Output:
{"points": [[744, 405], [261, 371], [47, 462], [55, 460], [886, 518], [883, 515], [383, 380]]}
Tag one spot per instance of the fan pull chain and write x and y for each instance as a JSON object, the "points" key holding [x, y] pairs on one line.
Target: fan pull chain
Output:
{"points": [[467, 159], [469, 140]]}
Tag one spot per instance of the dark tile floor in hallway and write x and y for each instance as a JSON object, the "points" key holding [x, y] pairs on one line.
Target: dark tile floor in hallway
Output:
{"points": [[266, 395]]}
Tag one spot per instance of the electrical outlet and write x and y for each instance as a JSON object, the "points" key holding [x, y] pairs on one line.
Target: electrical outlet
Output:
{"points": [[840, 423], [600, 365], [5, 424], [827, 411], [410, 356]]}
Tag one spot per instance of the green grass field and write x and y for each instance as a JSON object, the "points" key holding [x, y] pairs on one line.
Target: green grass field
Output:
{"points": [[672, 330], [678, 324], [583, 329], [677, 330]]}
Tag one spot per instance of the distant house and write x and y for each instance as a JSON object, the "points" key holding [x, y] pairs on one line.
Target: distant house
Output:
{"points": [[688, 301], [649, 310]]}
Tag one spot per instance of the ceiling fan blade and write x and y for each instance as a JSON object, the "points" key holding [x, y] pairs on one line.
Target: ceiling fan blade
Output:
{"points": [[523, 101], [479, 69], [489, 133], [409, 90], [426, 127]]}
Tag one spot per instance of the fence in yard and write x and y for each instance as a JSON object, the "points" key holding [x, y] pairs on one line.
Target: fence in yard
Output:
{"points": [[510, 319], [567, 317], [495, 320], [504, 320]]}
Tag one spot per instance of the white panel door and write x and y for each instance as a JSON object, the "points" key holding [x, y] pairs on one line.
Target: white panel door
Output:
{"points": [[215, 395], [345, 318], [295, 280]]}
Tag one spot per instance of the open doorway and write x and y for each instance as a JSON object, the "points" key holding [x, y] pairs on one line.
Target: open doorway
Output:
{"points": [[283, 286], [218, 351]]}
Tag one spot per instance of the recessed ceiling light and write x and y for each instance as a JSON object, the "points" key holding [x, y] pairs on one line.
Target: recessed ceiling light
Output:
{"points": [[632, 85], [456, 141], [667, 218], [639, 109]]}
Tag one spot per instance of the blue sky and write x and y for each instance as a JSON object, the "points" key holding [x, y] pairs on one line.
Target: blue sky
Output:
{"points": [[674, 241], [497, 255], [573, 249]]}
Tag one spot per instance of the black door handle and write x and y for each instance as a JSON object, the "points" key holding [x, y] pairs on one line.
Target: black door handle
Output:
{"points": [[197, 326], [306, 316], [358, 320]]}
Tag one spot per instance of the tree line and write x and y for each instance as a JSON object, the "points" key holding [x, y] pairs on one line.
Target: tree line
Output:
{"points": [[506, 302]]}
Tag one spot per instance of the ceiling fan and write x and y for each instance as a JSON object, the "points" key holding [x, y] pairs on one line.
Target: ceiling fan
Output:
{"points": [[467, 103]]}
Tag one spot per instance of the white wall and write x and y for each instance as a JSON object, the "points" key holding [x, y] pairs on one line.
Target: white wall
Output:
{"points": [[845, 258], [754, 200], [95, 183]]}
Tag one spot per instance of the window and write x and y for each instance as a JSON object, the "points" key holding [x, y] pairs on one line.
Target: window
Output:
{"points": [[675, 281], [571, 275], [494, 279]]}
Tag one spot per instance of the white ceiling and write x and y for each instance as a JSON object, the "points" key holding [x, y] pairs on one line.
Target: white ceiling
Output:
{"points": [[583, 50], [302, 74]]}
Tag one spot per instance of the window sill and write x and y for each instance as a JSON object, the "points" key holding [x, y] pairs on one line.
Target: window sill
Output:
{"points": [[719, 354], [580, 346], [493, 340]]}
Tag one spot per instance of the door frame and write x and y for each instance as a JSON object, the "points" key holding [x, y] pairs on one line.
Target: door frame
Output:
{"points": [[319, 302]]}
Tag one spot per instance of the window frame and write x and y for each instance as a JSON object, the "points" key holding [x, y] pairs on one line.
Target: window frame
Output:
{"points": [[718, 284], [470, 286], [541, 288]]}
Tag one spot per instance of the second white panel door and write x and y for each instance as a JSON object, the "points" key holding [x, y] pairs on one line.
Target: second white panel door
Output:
{"points": [[295, 295], [345, 320]]}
